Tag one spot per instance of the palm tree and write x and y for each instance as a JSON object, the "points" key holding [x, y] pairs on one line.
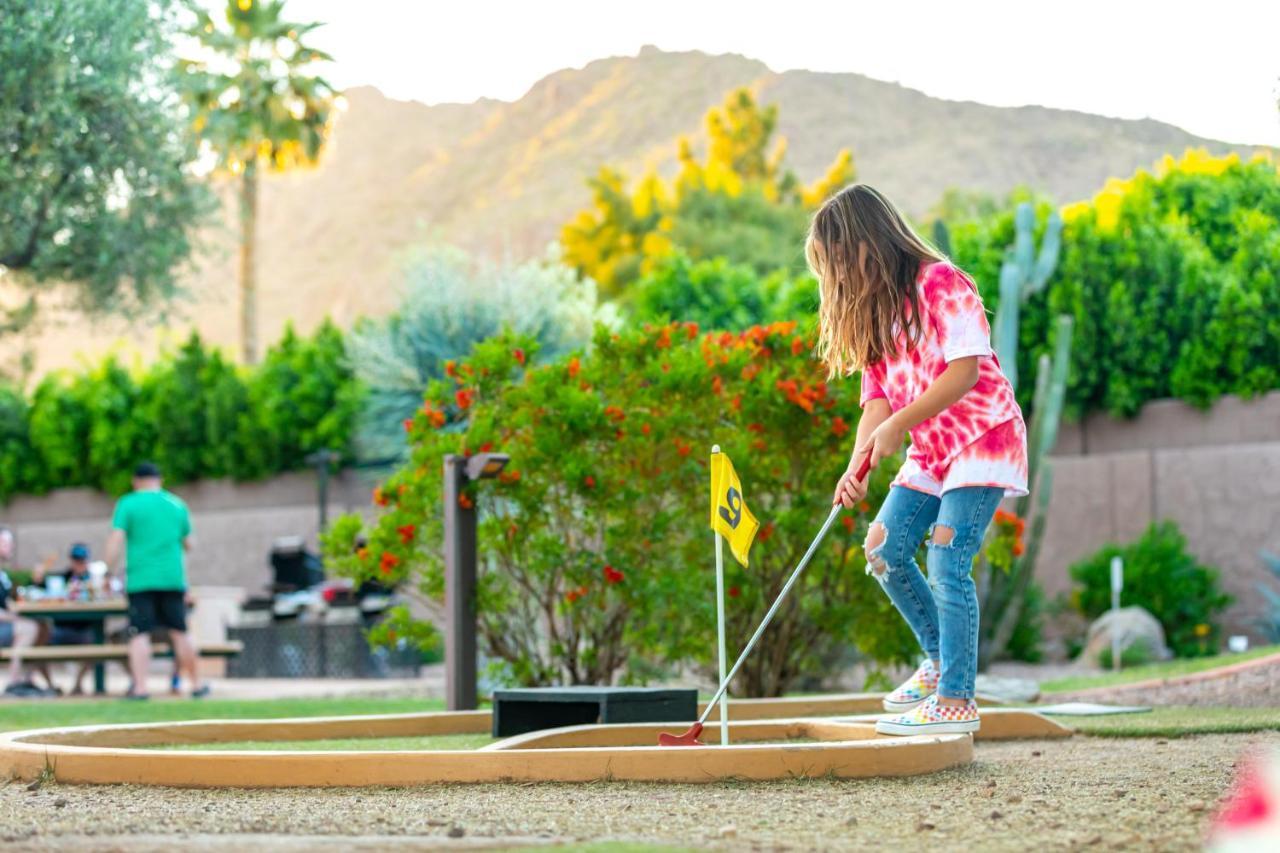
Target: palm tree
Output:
{"points": [[256, 103]]}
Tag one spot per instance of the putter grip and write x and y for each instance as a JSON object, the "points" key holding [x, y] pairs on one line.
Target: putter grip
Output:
{"points": [[863, 468]]}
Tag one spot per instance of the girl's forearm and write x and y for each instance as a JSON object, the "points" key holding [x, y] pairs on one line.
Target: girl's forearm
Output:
{"points": [[876, 413], [956, 380]]}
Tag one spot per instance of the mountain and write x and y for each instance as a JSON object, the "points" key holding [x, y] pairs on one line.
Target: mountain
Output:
{"points": [[502, 176]]}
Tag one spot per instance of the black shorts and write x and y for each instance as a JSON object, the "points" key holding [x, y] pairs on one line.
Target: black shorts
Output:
{"points": [[157, 608], [72, 635]]}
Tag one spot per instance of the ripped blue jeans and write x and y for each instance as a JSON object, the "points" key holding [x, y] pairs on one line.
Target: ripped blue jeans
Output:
{"points": [[942, 610]]}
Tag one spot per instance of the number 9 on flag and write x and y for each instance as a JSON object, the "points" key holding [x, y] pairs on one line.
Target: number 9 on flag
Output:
{"points": [[729, 514]]}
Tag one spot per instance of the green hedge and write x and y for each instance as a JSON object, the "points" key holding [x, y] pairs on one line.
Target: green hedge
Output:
{"points": [[1170, 277], [193, 412]]}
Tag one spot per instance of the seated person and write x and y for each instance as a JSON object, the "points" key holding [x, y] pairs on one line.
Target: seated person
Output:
{"points": [[16, 633], [66, 632]]}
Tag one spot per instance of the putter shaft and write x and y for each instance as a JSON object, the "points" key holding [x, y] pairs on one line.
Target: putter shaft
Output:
{"points": [[768, 617]]}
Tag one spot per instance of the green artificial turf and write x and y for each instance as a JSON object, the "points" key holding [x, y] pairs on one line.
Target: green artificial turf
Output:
{"points": [[42, 713], [1165, 669], [1176, 721], [355, 744]]}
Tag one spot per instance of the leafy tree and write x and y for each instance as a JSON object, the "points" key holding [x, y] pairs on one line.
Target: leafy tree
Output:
{"points": [[94, 185], [59, 425], [117, 437], [19, 468], [308, 397], [259, 105], [174, 399], [740, 203], [717, 294]]}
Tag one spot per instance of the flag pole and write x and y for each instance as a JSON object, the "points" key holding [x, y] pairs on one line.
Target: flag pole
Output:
{"points": [[724, 698]]}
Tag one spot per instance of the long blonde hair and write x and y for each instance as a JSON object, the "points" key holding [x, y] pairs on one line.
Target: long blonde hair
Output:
{"points": [[866, 258]]}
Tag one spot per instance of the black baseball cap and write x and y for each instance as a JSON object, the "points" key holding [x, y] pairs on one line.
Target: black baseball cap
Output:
{"points": [[146, 469]]}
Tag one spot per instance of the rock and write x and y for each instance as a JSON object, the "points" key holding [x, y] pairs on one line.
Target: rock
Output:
{"points": [[60, 803], [729, 831], [456, 832], [1133, 625], [924, 826], [1007, 689]]}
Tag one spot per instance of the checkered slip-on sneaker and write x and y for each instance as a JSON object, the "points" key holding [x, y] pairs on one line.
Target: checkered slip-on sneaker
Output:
{"points": [[913, 691], [932, 718]]}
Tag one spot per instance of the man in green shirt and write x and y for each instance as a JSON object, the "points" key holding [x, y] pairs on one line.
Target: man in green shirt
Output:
{"points": [[153, 527]]}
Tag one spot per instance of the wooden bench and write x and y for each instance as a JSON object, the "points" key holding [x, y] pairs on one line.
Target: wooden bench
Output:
{"points": [[113, 652]]}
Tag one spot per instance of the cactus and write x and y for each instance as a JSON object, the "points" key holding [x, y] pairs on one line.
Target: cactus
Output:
{"points": [[942, 237], [1270, 622], [1004, 593], [1022, 274]]}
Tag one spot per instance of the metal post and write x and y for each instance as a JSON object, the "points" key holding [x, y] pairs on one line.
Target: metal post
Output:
{"points": [[459, 589], [321, 460], [1117, 584], [720, 639]]}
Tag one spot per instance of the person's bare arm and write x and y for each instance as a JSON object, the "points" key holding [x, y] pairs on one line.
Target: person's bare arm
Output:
{"points": [[42, 568], [115, 548], [850, 490], [955, 381], [186, 544]]}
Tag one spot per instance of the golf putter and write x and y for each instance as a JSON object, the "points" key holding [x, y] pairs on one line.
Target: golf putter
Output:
{"points": [[690, 738]]}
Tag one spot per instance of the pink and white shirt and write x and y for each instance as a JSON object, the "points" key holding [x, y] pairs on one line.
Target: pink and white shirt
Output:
{"points": [[979, 440]]}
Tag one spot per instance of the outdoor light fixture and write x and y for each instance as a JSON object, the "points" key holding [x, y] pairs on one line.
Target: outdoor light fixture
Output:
{"points": [[485, 466], [460, 573]]}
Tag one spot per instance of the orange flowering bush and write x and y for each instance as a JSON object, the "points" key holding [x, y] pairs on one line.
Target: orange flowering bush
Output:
{"points": [[596, 561], [1005, 543]]}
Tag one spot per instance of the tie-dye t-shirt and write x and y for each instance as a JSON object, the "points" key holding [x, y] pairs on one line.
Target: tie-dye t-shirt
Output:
{"points": [[980, 440]]}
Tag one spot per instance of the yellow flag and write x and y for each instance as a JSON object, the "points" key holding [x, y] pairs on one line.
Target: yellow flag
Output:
{"points": [[729, 514]]}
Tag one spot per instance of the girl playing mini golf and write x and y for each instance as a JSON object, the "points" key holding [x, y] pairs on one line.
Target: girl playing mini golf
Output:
{"points": [[913, 323]]}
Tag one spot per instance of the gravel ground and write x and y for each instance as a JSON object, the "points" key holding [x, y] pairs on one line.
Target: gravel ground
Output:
{"points": [[1084, 792], [1251, 688]]}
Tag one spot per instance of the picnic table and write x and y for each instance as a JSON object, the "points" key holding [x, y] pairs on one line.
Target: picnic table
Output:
{"points": [[96, 612]]}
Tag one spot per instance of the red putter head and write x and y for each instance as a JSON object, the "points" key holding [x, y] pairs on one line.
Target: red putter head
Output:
{"points": [[689, 738]]}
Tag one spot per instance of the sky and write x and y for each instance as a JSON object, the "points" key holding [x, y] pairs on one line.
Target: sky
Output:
{"points": [[1210, 68]]}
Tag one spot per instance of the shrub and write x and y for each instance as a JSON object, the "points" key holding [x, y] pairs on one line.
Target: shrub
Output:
{"points": [[595, 558], [1136, 653], [1170, 278], [194, 412], [1025, 641], [452, 301], [307, 397], [1161, 576], [717, 294]]}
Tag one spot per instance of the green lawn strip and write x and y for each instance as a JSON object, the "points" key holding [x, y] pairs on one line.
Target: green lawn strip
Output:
{"points": [[355, 744], [42, 713], [606, 847], [1177, 721], [1165, 669]]}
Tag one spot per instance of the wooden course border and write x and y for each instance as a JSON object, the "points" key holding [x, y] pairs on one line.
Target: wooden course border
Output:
{"points": [[116, 754]]}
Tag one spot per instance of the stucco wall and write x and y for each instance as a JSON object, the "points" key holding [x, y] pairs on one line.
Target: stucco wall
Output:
{"points": [[1215, 473], [234, 523]]}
